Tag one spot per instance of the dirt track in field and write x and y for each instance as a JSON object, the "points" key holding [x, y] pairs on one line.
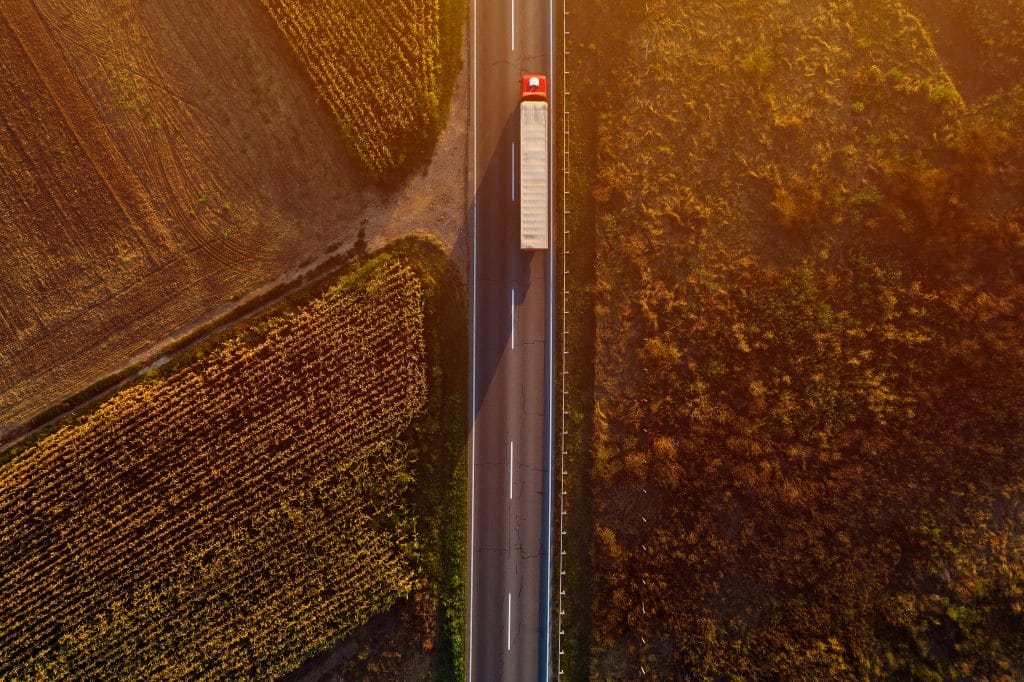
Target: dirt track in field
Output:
{"points": [[159, 161]]}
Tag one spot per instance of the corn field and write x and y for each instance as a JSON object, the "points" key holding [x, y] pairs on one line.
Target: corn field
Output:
{"points": [[232, 518], [375, 64]]}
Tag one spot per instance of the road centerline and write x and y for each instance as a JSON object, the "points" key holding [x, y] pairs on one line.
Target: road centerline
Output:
{"points": [[511, 459], [513, 318]]}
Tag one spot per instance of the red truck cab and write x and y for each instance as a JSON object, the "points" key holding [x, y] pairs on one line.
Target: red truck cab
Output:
{"points": [[535, 87]]}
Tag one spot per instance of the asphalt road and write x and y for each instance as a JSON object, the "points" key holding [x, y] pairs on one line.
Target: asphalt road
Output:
{"points": [[508, 634]]}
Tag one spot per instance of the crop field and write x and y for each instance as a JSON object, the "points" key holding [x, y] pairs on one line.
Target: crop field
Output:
{"points": [[808, 289], [232, 517], [376, 66], [158, 162]]}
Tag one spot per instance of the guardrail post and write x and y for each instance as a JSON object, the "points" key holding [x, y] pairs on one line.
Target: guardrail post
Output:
{"points": [[565, 330]]}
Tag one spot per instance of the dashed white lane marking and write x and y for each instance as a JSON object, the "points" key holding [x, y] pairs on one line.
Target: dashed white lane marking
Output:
{"points": [[513, 318], [511, 458]]}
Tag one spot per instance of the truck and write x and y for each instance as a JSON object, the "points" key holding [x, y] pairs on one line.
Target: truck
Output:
{"points": [[533, 163]]}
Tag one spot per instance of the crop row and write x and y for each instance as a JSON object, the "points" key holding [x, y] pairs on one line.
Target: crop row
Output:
{"points": [[104, 517], [375, 67]]}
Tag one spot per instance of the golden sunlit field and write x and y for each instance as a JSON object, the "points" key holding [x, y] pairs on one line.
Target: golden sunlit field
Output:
{"points": [[254, 503], [162, 161], [385, 93], [783, 412], [808, 300], [264, 495], [192, 499]]}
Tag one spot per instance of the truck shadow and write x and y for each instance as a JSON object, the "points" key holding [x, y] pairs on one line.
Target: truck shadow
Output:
{"points": [[506, 276]]}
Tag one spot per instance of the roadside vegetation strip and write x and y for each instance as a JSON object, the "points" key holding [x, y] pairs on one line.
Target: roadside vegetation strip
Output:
{"points": [[233, 517], [385, 72], [609, 32], [438, 439]]}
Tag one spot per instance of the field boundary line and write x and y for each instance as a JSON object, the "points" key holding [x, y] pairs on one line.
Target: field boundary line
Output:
{"points": [[179, 342]]}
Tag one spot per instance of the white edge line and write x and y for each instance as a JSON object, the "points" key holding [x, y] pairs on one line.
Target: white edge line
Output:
{"points": [[509, 645], [472, 400], [513, 25]]}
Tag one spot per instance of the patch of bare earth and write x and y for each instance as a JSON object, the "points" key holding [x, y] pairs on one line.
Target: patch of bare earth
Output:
{"points": [[162, 162], [981, 42], [396, 645]]}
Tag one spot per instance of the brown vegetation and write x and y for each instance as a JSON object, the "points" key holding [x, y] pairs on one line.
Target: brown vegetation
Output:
{"points": [[376, 67], [397, 645], [233, 517], [807, 459]]}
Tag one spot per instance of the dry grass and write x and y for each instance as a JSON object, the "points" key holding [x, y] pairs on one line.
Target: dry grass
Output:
{"points": [[807, 370], [981, 43]]}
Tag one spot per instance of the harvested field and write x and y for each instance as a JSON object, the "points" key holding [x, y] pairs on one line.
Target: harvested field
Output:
{"points": [[161, 160], [233, 517]]}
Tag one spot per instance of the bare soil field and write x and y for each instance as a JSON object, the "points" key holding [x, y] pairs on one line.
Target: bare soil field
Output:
{"points": [[160, 161]]}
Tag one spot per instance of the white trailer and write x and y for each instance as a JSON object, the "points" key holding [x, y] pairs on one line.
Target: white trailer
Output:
{"points": [[533, 164]]}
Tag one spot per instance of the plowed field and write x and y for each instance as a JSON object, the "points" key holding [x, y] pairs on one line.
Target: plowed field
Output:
{"points": [[158, 161]]}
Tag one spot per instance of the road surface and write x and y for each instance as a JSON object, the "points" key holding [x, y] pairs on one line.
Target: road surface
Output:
{"points": [[508, 623]]}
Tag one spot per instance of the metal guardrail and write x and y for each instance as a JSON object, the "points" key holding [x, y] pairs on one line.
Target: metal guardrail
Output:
{"points": [[565, 329]]}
